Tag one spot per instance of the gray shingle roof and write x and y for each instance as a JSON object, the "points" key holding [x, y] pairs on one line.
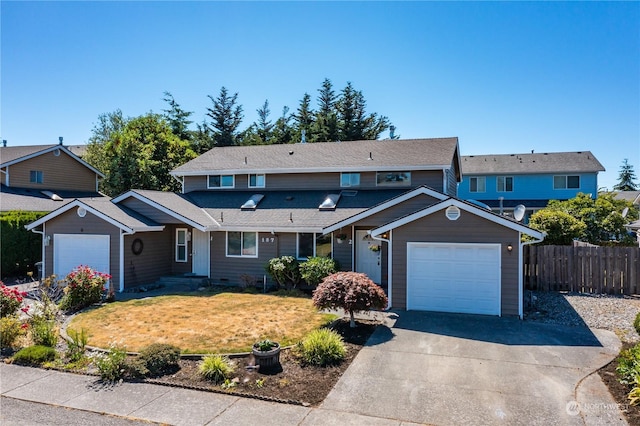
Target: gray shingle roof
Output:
{"points": [[120, 214], [552, 162], [285, 209], [34, 200], [413, 154], [632, 196]]}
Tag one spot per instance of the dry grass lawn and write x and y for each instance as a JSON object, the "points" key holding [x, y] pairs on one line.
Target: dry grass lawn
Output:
{"points": [[221, 323]]}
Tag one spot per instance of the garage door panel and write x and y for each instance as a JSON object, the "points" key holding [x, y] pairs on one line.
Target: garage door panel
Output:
{"points": [[73, 250], [454, 277]]}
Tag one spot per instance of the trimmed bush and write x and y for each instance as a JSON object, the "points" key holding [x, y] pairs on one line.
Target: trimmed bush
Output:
{"points": [[10, 328], [19, 249], [159, 359], [284, 270], [351, 291], [34, 355], [322, 347], [216, 368], [10, 300], [84, 288], [314, 270]]}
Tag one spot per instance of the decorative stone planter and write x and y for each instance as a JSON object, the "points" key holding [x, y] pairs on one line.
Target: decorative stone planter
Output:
{"points": [[267, 359]]}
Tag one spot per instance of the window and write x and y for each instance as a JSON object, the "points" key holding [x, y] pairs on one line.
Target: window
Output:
{"points": [[242, 244], [566, 182], [35, 176], [505, 183], [393, 178], [349, 179], [220, 181], [310, 244], [256, 181], [181, 245], [477, 184]]}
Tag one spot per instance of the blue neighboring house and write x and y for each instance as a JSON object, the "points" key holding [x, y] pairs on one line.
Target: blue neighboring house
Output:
{"points": [[506, 180]]}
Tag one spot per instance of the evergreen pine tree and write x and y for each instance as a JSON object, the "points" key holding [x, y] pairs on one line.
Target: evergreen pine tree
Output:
{"points": [[226, 116], [178, 118], [264, 126], [626, 178], [325, 128]]}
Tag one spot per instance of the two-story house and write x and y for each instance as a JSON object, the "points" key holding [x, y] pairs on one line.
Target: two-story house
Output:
{"points": [[504, 181], [385, 208], [43, 177]]}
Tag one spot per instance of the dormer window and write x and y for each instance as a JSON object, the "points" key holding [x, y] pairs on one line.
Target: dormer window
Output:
{"points": [[220, 181], [36, 176], [256, 181], [349, 179]]}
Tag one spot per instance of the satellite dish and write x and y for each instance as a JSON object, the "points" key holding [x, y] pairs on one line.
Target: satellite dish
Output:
{"points": [[479, 204], [625, 212], [518, 212]]}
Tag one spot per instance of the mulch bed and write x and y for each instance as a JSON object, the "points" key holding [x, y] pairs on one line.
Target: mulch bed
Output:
{"points": [[293, 383], [620, 391]]}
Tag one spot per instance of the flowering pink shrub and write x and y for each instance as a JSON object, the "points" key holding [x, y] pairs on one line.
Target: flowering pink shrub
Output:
{"points": [[10, 300], [351, 291], [84, 287]]}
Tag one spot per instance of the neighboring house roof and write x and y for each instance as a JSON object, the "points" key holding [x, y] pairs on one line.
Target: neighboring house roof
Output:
{"points": [[635, 226], [285, 211], [175, 205], [119, 216], [552, 162], [508, 204], [36, 200], [377, 155], [10, 155], [632, 196], [462, 205]]}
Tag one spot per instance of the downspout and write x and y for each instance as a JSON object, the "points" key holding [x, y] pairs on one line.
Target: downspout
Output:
{"points": [[389, 263], [520, 272], [43, 249], [6, 172]]}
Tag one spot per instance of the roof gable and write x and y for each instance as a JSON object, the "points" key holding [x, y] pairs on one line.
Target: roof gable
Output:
{"points": [[533, 163], [464, 206], [377, 155], [16, 154]]}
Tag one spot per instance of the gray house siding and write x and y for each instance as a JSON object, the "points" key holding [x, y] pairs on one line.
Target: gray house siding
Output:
{"points": [[390, 214], [467, 229], [229, 270], [153, 262], [70, 223]]}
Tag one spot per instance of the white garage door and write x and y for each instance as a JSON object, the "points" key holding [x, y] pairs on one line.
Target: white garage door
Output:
{"points": [[448, 277], [71, 251]]}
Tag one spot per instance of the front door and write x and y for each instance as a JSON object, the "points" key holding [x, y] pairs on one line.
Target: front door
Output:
{"points": [[368, 261], [200, 253]]}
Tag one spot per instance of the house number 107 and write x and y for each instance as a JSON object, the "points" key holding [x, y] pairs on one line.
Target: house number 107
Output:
{"points": [[268, 239]]}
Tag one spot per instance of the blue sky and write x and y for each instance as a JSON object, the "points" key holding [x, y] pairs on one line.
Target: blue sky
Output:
{"points": [[504, 77]]}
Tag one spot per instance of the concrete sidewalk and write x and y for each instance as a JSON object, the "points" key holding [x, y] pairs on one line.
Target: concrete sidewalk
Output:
{"points": [[163, 404]]}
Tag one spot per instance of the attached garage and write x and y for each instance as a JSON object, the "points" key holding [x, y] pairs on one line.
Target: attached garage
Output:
{"points": [[72, 250], [454, 277]]}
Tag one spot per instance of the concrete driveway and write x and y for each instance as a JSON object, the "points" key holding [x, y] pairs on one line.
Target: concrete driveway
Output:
{"points": [[450, 369]]}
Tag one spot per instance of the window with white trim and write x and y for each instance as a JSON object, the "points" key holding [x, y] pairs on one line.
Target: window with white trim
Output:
{"points": [[242, 244], [349, 179], [36, 176], [393, 178], [181, 244], [310, 245], [478, 184], [256, 181], [566, 182], [505, 183], [220, 181]]}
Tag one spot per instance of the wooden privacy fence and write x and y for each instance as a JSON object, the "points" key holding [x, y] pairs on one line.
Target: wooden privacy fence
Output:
{"points": [[598, 270]]}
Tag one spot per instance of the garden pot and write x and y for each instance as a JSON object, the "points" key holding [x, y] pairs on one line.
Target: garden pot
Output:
{"points": [[267, 359]]}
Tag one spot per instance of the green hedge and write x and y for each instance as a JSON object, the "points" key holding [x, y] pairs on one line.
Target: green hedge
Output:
{"points": [[19, 249]]}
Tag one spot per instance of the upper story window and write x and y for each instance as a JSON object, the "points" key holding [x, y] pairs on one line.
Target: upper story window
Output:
{"points": [[36, 176], [310, 245], [505, 183], [566, 182], [242, 244], [393, 178], [349, 179], [256, 181], [478, 184], [220, 181]]}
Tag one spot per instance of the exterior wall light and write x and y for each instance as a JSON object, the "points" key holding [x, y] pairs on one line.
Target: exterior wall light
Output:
{"points": [[509, 247]]}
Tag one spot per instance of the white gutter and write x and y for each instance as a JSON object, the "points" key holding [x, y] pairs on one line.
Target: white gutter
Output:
{"points": [[6, 172], [43, 249], [520, 272], [389, 263]]}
